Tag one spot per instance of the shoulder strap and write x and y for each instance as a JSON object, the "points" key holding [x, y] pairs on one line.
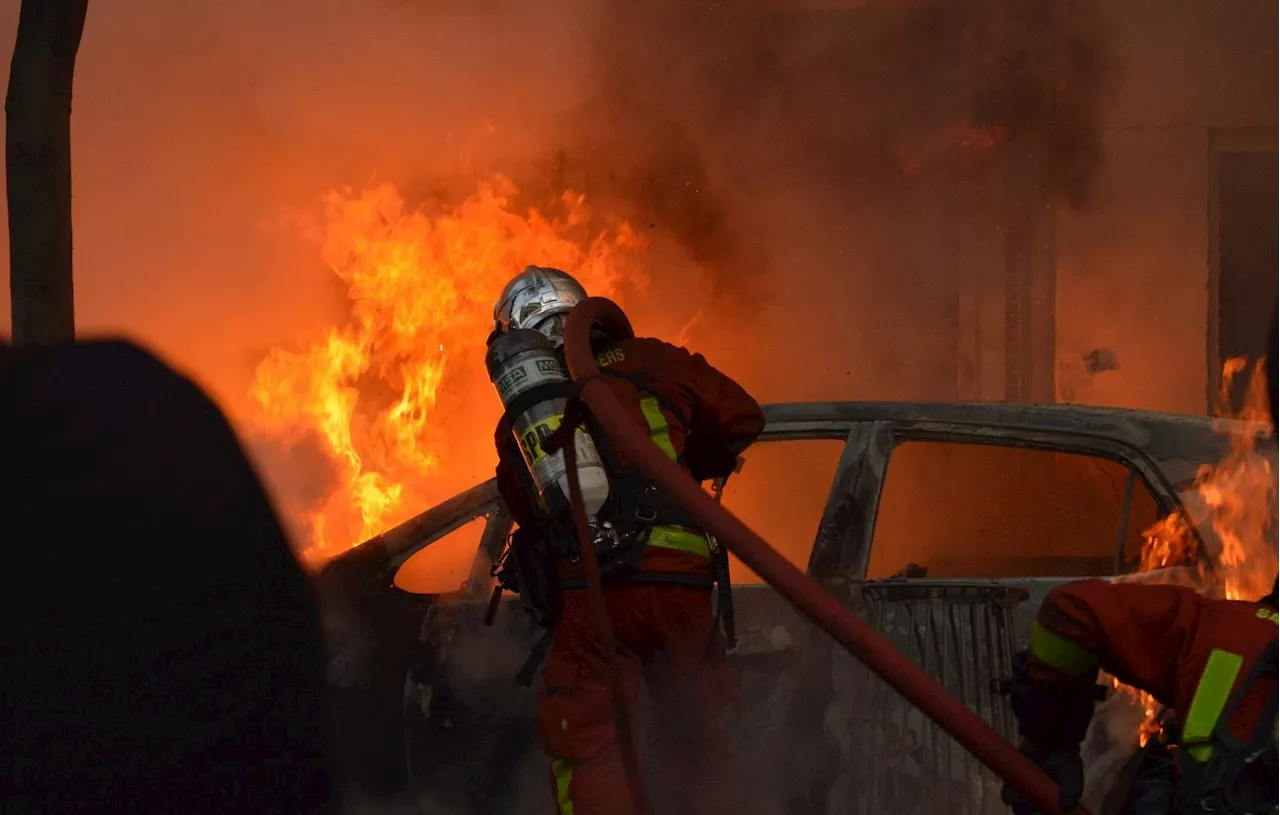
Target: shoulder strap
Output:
{"points": [[1215, 785], [536, 394], [510, 451], [536, 657], [1222, 735], [643, 383]]}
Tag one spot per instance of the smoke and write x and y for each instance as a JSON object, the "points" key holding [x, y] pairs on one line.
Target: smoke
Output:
{"points": [[701, 113], [782, 160], [828, 163], [310, 477], [1056, 70], [796, 170]]}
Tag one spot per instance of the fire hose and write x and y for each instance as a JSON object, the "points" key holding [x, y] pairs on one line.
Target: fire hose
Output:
{"points": [[600, 616], [808, 597]]}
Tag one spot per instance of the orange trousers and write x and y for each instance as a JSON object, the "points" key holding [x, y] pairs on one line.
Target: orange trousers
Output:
{"points": [[666, 638]]}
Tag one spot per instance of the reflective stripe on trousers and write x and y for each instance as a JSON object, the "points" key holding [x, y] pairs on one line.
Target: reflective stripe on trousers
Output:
{"points": [[681, 539], [562, 773]]}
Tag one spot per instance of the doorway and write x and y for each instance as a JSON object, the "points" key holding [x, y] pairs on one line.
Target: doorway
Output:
{"points": [[1242, 249]]}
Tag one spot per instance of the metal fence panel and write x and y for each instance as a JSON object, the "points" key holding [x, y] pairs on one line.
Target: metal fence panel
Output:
{"points": [[963, 635]]}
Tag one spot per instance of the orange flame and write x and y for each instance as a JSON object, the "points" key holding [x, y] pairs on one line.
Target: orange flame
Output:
{"points": [[1236, 499], [421, 285], [1240, 494], [1151, 709]]}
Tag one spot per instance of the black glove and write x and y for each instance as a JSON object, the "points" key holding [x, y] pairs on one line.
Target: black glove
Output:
{"points": [[1063, 765], [1050, 713], [1154, 782], [707, 459]]}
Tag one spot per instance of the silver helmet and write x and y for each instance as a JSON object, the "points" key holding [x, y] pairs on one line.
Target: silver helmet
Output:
{"points": [[534, 297]]}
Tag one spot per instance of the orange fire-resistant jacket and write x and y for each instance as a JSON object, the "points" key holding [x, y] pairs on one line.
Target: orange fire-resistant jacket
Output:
{"points": [[1186, 650], [722, 420]]}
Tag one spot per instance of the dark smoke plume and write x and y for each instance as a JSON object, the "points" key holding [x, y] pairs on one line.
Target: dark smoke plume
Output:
{"points": [[701, 108], [1054, 74]]}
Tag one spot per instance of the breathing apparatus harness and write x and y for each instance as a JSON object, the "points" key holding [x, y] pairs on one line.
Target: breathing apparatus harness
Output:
{"points": [[1239, 777], [621, 526]]}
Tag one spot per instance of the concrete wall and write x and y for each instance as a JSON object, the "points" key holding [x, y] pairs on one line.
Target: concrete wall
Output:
{"points": [[1133, 270], [1133, 276]]}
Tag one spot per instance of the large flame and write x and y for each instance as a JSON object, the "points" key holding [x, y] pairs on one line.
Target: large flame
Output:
{"points": [[1236, 499], [1240, 495], [375, 390]]}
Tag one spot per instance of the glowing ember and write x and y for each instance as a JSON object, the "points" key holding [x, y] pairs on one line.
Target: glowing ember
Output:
{"points": [[385, 391], [1236, 499]]}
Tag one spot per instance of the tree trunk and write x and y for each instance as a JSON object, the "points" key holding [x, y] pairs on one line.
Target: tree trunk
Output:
{"points": [[38, 162]]}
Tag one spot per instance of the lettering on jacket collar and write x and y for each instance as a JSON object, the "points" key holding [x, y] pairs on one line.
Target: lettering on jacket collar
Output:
{"points": [[609, 357]]}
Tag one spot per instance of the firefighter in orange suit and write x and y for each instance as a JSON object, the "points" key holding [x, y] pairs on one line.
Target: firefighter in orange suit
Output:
{"points": [[1212, 661], [659, 601]]}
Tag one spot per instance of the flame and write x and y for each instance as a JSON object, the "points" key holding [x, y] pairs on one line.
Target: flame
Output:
{"points": [[1240, 494], [1170, 542], [420, 285], [1151, 710], [1236, 498]]}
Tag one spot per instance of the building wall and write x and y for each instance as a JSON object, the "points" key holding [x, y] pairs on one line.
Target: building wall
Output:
{"points": [[1134, 268], [1133, 276]]}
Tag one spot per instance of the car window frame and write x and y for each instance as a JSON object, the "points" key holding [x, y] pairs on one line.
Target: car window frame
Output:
{"points": [[1128, 456]]}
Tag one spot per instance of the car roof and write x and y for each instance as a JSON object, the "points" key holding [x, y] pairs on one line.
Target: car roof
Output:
{"points": [[1178, 443]]}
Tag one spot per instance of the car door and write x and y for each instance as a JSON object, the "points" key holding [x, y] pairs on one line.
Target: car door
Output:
{"points": [[964, 529], [1024, 508], [785, 492], [374, 601]]}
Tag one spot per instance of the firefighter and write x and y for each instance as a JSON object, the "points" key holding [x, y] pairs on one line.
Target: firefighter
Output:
{"points": [[1212, 661], [659, 599]]}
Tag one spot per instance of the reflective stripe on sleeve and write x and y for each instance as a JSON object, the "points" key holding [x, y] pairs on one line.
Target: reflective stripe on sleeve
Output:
{"points": [[659, 430], [1060, 653]]}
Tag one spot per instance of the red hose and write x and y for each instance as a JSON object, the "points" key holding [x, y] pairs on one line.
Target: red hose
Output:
{"points": [[807, 596], [600, 618]]}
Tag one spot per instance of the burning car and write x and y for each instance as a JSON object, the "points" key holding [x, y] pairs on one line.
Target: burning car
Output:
{"points": [[942, 524]]}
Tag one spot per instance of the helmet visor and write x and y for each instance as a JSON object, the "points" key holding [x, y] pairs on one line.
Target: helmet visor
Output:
{"points": [[552, 327]]}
